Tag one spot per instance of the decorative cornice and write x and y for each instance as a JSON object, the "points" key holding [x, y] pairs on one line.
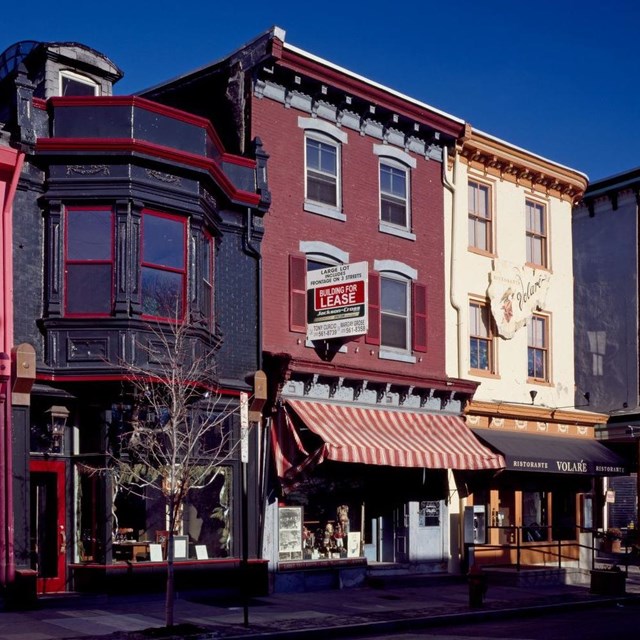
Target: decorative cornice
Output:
{"points": [[446, 384], [500, 159], [351, 84], [535, 413]]}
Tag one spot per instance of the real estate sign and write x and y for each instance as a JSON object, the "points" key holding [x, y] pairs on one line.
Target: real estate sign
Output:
{"points": [[337, 301]]}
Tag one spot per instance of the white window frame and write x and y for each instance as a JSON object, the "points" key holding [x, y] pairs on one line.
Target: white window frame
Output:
{"points": [[534, 235], [488, 338], [545, 348], [76, 77], [328, 134], [485, 222], [400, 272], [402, 161]]}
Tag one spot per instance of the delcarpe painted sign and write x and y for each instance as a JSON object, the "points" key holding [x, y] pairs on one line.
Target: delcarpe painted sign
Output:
{"points": [[337, 301]]}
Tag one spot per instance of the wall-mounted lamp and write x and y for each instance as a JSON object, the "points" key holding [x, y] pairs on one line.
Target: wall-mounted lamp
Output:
{"points": [[533, 393], [56, 424], [586, 395]]}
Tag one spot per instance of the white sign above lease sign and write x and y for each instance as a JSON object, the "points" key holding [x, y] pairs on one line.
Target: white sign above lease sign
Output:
{"points": [[337, 301], [515, 293]]}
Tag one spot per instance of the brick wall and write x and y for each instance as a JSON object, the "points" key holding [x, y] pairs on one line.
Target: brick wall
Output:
{"points": [[287, 224]]}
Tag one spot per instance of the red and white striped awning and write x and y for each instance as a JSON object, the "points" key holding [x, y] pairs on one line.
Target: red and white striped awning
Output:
{"points": [[380, 437]]}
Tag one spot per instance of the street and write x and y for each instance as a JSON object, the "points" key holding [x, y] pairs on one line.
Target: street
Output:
{"points": [[589, 624]]}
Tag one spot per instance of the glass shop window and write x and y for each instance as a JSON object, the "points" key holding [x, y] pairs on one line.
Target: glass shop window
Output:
{"points": [[429, 513], [139, 525], [503, 518], [534, 516], [564, 519], [323, 533]]}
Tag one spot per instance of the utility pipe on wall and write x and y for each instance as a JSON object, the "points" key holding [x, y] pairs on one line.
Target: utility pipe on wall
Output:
{"points": [[13, 160], [454, 295]]}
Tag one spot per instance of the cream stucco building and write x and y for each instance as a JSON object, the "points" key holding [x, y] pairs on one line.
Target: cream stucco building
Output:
{"points": [[510, 329]]}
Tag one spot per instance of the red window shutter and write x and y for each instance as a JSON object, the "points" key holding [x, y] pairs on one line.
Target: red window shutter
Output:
{"points": [[373, 335], [298, 294], [419, 297]]}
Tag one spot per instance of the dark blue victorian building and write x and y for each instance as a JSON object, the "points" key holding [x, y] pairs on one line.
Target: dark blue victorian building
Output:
{"points": [[127, 213]]}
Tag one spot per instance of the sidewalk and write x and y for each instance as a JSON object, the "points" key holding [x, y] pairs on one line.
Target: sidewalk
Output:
{"points": [[427, 602]]}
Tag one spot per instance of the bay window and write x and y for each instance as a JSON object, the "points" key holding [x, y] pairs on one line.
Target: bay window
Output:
{"points": [[207, 280], [163, 266], [88, 261]]}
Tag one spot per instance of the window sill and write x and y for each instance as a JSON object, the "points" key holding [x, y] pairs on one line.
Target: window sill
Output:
{"points": [[482, 252], [484, 373], [324, 210], [537, 267], [395, 231], [538, 381], [398, 357]]}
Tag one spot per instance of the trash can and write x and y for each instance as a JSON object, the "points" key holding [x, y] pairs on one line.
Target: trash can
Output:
{"points": [[477, 586]]}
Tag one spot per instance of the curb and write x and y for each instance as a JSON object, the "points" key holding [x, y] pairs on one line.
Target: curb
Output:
{"points": [[399, 623]]}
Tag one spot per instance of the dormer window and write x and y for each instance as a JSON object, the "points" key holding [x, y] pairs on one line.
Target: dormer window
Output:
{"points": [[74, 84]]}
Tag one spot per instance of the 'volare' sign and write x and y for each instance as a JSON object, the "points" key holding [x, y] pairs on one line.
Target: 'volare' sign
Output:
{"points": [[515, 293], [337, 301]]}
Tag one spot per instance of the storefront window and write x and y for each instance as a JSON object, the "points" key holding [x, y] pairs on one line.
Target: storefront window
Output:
{"points": [[207, 515], [139, 520], [564, 515], [90, 540], [314, 536], [503, 518], [534, 516]]}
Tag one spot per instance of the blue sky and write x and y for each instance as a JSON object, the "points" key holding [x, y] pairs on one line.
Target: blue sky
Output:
{"points": [[559, 78]]}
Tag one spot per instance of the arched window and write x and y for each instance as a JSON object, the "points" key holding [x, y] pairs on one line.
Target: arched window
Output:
{"points": [[322, 160]]}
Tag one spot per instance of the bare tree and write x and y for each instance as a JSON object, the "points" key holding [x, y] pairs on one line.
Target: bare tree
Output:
{"points": [[180, 434]]}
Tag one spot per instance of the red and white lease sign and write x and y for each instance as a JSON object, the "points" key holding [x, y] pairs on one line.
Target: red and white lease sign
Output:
{"points": [[337, 301]]}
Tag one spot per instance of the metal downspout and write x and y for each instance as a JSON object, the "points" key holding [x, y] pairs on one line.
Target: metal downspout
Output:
{"points": [[457, 305], [263, 435], [7, 560], [454, 296]]}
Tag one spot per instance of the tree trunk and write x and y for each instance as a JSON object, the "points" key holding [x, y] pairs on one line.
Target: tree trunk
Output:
{"points": [[170, 587]]}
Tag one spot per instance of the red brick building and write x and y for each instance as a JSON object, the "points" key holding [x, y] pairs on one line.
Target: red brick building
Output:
{"points": [[365, 427]]}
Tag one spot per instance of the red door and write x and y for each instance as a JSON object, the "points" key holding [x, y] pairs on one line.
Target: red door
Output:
{"points": [[48, 518]]}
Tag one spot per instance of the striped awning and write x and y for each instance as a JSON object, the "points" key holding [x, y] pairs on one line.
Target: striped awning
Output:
{"points": [[379, 437]]}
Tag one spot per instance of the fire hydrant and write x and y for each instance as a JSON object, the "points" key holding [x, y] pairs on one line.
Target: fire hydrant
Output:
{"points": [[477, 586]]}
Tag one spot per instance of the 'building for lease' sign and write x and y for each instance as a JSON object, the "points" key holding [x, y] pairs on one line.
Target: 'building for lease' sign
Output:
{"points": [[337, 301]]}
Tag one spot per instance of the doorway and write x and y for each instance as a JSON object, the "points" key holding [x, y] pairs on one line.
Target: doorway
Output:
{"points": [[426, 530], [48, 524]]}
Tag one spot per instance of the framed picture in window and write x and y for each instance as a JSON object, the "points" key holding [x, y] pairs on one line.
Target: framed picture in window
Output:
{"points": [[201, 552], [290, 533], [155, 552], [180, 547], [353, 544]]}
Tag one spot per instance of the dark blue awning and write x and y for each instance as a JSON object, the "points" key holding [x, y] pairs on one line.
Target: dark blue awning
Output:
{"points": [[554, 454]]}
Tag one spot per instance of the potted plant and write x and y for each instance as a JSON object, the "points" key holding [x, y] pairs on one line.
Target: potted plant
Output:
{"points": [[612, 540]]}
